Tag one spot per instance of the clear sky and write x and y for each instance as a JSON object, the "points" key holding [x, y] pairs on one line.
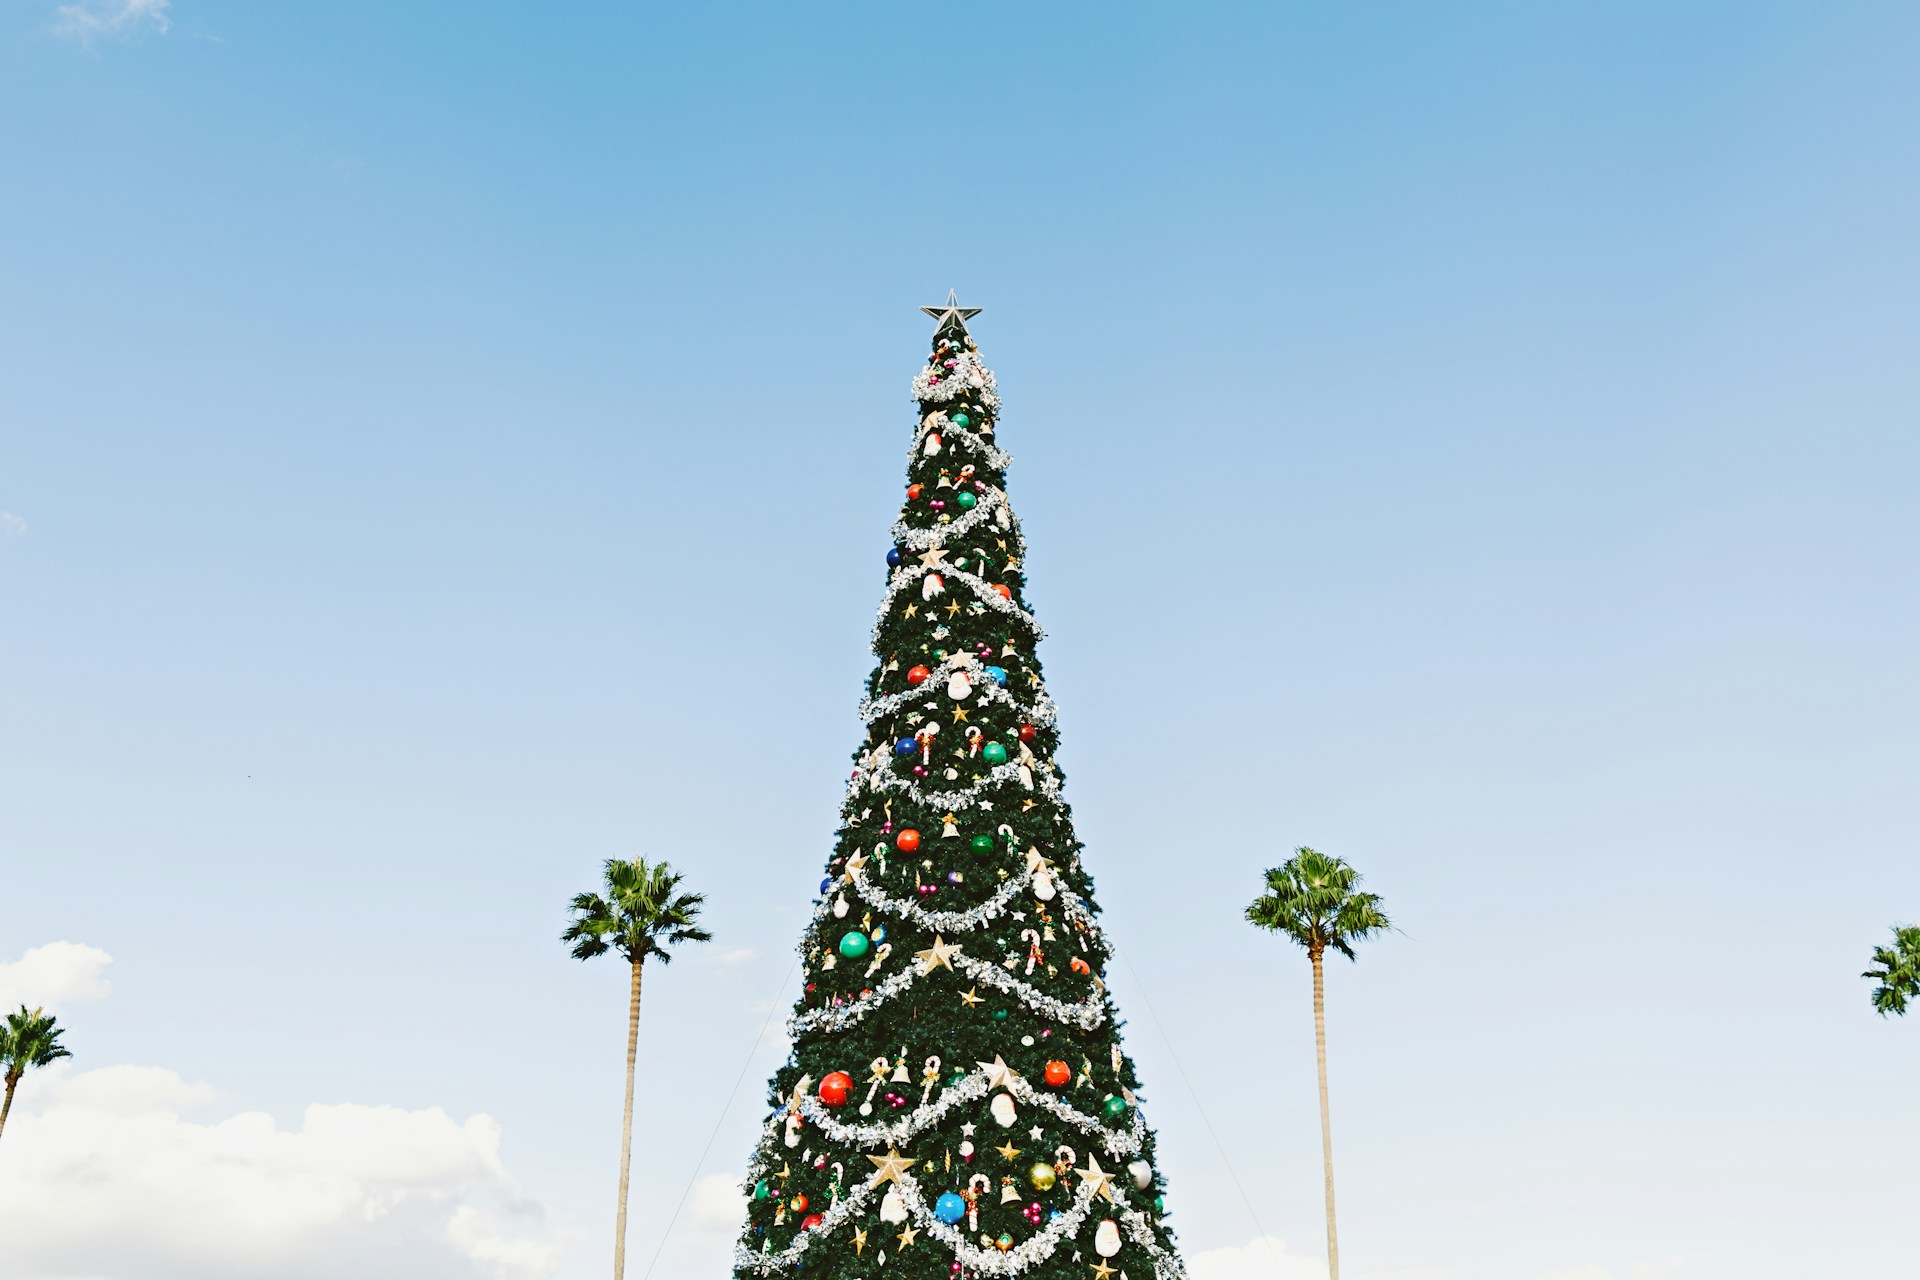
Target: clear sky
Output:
{"points": [[445, 445]]}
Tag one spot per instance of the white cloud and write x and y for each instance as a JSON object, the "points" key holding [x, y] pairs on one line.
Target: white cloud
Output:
{"points": [[106, 1177], [717, 1201], [83, 20], [11, 525], [736, 955], [58, 974], [1262, 1258]]}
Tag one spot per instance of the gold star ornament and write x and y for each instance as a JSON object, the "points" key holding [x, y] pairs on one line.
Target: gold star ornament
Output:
{"points": [[938, 956], [889, 1167]]}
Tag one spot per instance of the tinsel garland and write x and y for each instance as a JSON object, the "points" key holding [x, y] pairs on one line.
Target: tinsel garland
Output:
{"points": [[906, 575], [967, 380], [941, 921], [996, 457], [882, 779], [1086, 1014], [1041, 712], [938, 535]]}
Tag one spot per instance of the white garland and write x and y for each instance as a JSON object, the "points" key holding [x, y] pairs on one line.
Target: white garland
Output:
{"points": [[1087, 1014], [1040, 713], [906, 575], [937, 535], [997, 457], [968, 375], [938, 922]]}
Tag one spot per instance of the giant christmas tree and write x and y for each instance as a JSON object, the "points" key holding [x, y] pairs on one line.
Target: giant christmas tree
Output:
{"points": [[957, 1102]]}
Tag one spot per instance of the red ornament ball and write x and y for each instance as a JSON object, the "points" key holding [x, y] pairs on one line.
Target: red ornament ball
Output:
{"points": [[907, 841], [811, 1221], [913, 493], [916, 674], [1058, 1074], [1028, 733], [1001, 587], [835, 1087]]}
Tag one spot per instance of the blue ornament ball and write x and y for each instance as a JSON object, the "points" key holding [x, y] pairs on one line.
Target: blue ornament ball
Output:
{"points": [[905, 747], [949, 1208], [997, 674], [826, 884], [894, 557]]}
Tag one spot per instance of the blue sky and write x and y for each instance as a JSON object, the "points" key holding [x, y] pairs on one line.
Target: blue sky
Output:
{"points": [[445, 445]]}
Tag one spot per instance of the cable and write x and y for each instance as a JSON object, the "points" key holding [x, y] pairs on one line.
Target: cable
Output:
{"points": [[731, 1093], [1204, 1119]]}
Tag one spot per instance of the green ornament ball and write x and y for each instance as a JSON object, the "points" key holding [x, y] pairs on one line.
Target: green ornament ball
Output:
{"points": [[966, 500], [994, 753], [958, 1077], [1160, 1204], [960, 420], [1115, 1106], [999, 1015], [854, 945], [982, 844], [760, 1189]]}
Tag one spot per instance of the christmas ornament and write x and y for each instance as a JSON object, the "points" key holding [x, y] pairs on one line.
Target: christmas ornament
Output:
{"points": [[1142, 1174], [1115, 1107], [1001, 589], [981, 844], [916, 674], [1058, 1074], [798, 1204], [811, 1221], [913, 493], [1002, 1110], [958, 686], [1034, 1212], [853, 945], [834, 1088], [993, 753], [1004, 1243], [907, 841], [949, 1208], [760, 1189], [960, 420], [894, 557], [998, 675], [892, 1207], [1028, 733], [905, 747], [1106, 1238], [965, 501], [1042, 1176]]}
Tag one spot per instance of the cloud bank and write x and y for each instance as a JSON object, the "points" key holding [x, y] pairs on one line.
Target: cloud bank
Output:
{"points": [[86, 20], [56, 975]]}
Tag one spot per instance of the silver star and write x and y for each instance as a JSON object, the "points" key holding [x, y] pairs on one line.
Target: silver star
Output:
{"points": [[951, 316]]}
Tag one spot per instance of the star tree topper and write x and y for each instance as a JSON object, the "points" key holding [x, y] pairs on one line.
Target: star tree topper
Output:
{"points": [[951, 316]]}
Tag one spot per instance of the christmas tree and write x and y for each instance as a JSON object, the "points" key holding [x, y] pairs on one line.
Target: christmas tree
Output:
{"points": [[957, 1102]]}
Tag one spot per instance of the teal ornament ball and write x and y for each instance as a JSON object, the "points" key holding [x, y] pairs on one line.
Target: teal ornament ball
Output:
{"points": [[960, 420], [966, 500], [854, 945], [1115, 1107], [999, 1015], [994, 753], [983, 844], [760, 1189]]}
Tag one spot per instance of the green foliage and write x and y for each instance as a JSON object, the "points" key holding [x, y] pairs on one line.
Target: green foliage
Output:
{"points": [[641, 914], [31, 1038], [1897, 970], [1313, 898]]}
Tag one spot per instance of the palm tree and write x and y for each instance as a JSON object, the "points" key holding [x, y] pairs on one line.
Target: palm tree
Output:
{"points": [[30, 1039], [1897, 969], [642, 914], [1311, 898]]}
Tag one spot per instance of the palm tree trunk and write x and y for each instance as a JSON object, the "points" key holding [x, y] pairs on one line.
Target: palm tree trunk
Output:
{"points": [[626, 1128], [7, 1106], [1326, 1121]]}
